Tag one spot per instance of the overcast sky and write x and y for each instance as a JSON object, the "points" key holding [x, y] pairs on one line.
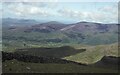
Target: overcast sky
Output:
{"points": [[103, 12]]}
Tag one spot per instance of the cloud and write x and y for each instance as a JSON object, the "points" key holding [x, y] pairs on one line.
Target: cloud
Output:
{"points": [[50, 10], [43, 4], [94, 16], [27, 10], [70, 13], [109, 8], [111, 12], [81, 15], [1, 10], [29, 0]]}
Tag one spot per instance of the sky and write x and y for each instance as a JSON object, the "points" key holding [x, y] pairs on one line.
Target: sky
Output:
{"points": [[67, 12]]}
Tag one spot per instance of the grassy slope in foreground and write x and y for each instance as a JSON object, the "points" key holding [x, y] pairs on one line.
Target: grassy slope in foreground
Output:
{"points": [[94, 53], [14, 66]]}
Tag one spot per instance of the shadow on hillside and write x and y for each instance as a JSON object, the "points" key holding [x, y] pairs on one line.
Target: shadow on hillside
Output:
{"points": [[57, 52], [35, 59], [108, 61]]}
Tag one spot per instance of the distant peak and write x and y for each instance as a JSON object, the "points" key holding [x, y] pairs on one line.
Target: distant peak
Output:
{"points": [[54, 22], [85, 22]]}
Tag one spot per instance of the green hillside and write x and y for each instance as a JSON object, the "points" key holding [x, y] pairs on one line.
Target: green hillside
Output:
{"points": [[94, 53]]}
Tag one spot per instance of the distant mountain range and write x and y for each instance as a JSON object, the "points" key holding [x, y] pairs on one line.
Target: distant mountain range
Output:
{"points": [[18, 22], [57, 26], [53, 31]]}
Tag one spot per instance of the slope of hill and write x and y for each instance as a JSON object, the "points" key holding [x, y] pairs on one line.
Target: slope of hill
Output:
{"points": [[94, 53]]}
